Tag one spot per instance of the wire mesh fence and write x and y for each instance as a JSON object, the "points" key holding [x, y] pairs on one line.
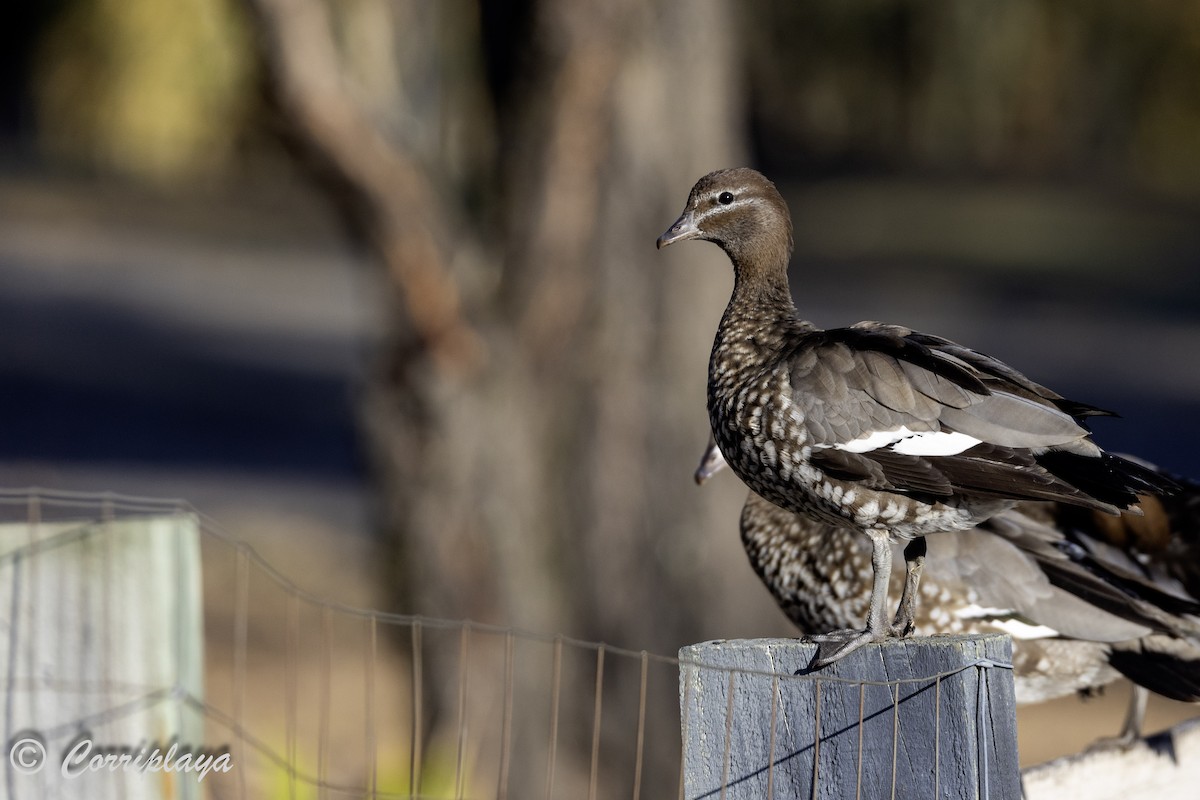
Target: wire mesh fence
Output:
{"points": [[309, 698], [312, 698]]}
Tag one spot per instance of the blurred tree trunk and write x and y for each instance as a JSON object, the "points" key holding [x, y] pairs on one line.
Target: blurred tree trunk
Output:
{"points": [[621, 106], [541, 402], [539, 410]]}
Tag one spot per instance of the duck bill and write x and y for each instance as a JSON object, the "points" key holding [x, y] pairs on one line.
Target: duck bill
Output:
{"points": [[711, 463], [684, 228]]}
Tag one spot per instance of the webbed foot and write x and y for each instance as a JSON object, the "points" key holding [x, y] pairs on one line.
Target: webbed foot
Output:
{"points": [[903, 626], [1123, 741], [835, 645], [1131, 731]]}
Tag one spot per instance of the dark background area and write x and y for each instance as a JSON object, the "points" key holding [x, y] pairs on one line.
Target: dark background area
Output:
{"points": [[1066, 245]]}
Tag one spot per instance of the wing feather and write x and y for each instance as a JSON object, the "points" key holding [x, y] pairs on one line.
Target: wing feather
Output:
{"points": [[886, 393], [1009, 420]]}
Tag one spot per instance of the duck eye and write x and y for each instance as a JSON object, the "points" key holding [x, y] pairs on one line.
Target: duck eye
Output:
{"points": [[725, 198]]}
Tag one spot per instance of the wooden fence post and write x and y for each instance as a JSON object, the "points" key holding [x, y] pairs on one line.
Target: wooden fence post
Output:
{"points": [[101, 637], [912, 718]]}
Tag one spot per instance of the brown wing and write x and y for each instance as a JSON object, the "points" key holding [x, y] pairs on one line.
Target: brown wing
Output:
{"points": [[899, 411]]}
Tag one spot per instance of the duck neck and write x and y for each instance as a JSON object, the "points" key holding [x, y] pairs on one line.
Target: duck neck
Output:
{"points": [[756, 324], [761, 301], [764, 290]]}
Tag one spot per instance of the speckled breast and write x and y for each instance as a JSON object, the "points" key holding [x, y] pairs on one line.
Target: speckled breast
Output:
{"points": [[762, 435]]}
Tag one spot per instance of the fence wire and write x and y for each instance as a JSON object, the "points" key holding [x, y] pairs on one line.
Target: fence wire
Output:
{"points": [[315, 698]]}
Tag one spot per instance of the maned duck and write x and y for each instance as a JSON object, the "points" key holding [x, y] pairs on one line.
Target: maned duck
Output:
{"points": [[1085, 596], [895, 433]]}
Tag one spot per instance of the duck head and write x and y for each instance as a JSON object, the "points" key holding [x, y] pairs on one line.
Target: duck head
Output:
{"points": [[740, 211]]}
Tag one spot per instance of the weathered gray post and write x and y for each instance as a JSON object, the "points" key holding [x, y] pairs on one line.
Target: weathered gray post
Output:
{"points": [[102, 650], [911, 718]]}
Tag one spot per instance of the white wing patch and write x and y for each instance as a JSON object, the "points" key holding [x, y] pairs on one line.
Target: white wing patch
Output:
{"points": [[1023, 630], [998, 618], [874, 441], [936, 443], [912, 443]]}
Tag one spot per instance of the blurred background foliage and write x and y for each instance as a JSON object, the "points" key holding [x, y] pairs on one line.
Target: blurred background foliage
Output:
{"points": [[386, 266], [1103, 89], [156, 91]]}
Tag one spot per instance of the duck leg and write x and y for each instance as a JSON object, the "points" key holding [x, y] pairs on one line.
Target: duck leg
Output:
{"points": [[837, 644], [1131, 730], [914, 561]]}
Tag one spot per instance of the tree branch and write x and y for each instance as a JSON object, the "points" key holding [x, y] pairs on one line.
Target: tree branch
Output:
{"points": [[406, 220]]}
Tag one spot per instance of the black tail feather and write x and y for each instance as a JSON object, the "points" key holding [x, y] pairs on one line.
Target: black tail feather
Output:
{"points": [[1173, 673], [1081, 410], [1110, 479]]}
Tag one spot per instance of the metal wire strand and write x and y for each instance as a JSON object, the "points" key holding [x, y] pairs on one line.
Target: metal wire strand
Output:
{"points": [[937, 737], [555, 698], [292, 688], [324, 699], [816, 770], [597, 709], [771, 740], [862, 703], [416, 752], [730, 693], [895, 733], [981, 732], [372, 723], [641, 727], [506, 719], [464, 685], [241, 623]]}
